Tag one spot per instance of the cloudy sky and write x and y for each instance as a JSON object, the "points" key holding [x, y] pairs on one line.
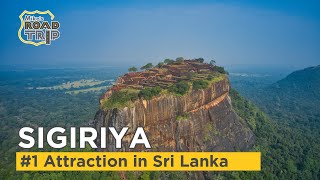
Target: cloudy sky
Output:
{"points": [[136, 32]]}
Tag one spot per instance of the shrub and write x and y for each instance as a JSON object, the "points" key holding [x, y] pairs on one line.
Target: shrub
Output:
{"points": [[191, 75], [120, 99], [210, 77], [148, 93], [200, 84], [181, 88], [184, 116]]}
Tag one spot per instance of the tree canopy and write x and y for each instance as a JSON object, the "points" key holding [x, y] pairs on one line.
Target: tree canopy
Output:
{"points": [[147, 66], [180, 88], [213, 62], [148, 93], [132, 69], [179, 59], [160, 64], [168, 61], [220, 69], [199, 84], [200, 60]]}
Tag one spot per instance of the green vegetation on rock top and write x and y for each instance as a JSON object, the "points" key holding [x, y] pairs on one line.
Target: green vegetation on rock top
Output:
{"points": [[120, 99], [185, 80], [148, 93], [180, 88], [200, 84]]}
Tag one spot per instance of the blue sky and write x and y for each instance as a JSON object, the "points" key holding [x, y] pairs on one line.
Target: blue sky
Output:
{"points": [[135, 32]]}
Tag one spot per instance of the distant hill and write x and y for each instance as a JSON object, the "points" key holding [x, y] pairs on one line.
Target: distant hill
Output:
{"points": [[304, 83], [297, 97]]}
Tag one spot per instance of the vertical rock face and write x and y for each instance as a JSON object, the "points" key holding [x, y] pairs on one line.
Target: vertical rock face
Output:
{"points": [[211, 124]]}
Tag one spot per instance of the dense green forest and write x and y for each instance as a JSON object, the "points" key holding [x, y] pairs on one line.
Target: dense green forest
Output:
{"points": [[22, 106], [292, 104], [286, 152], [287, 133]]}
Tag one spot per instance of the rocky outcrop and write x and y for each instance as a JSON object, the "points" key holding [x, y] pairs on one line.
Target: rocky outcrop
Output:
{"points": [[211, 124]]}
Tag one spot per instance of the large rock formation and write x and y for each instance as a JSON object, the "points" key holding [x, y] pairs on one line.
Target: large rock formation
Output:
{"points": [[211, 124]]}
